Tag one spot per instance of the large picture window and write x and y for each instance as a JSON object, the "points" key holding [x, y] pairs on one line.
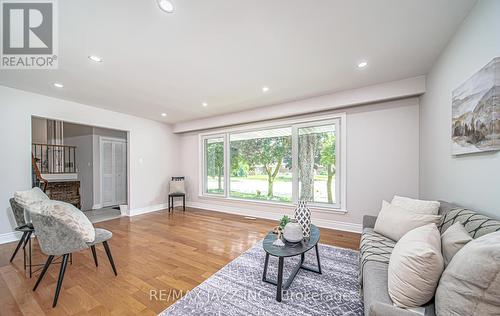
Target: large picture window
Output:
{"points": [[285, 163], [261, 165]]}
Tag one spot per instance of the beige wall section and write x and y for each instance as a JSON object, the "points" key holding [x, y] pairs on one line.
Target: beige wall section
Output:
{"points": [[152, 155], [81, 137], [86, 139], [382, 160], [469, 180], [39, 130]]}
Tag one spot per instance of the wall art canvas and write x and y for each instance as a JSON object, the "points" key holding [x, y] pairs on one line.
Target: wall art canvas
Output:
{"points": [[476, 112]]}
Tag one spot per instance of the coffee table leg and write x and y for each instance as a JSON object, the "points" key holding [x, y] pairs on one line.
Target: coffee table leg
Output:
{"points": [[317, 258], [280, 279], [264, 275]]}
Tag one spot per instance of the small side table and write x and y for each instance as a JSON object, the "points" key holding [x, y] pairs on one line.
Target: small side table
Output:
{"points": [[290, 250]]}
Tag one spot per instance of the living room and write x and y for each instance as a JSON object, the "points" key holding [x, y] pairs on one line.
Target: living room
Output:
{"points": [[312, 158]]}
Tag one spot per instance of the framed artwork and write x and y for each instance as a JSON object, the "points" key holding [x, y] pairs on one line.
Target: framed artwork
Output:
{"points": [[476, 112]]}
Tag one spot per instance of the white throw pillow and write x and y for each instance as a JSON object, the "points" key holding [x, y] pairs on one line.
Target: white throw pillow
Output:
{"points": [[394, 222], [470, 284], [177, 187], [415, 267], [452, 240], [69, 214], [29, 198], [417, 206]]}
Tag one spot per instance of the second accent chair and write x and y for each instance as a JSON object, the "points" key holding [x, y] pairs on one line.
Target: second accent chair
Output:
{"points": [[61, 231], [177, 189]]}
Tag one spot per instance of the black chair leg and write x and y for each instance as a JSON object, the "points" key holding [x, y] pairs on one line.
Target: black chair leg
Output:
{"points": [[169, 203], [27, 239], [64, 263], [94, 254], [18, 246], [110, 257], [183, 203], [42, 274]]}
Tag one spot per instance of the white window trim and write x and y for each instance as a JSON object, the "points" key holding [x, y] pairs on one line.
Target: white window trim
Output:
{"points": [[294, 124], [203, 174]]}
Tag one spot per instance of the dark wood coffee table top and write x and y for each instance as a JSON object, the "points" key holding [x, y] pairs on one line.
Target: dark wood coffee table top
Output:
{"points": [[291, 249]]}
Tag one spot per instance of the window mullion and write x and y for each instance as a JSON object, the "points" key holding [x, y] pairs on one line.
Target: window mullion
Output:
{"points": [[295, 165], [227, 164], [338, 162]]}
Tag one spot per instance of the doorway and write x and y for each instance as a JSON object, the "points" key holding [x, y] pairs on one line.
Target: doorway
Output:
{"points": [[113, 171], [81, 164]]}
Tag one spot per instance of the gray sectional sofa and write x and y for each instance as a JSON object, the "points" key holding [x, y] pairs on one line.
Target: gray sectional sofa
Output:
{"points": [[375, 252]]}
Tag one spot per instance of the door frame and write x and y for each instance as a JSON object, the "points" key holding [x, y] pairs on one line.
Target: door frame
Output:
{"points": [[118, 140]]}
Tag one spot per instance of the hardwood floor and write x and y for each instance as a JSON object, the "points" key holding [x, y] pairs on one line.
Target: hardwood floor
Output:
{"points": [[155, 251]]}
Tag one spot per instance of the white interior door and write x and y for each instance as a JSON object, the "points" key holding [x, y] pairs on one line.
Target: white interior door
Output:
{"points": [[113, 172], [120, 164]]}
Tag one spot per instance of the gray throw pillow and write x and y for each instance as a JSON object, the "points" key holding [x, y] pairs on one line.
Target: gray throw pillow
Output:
{"points": [[470, 285], [452, 240]]}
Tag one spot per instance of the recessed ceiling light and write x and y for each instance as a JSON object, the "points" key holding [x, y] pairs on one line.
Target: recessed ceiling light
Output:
{"points": [[58, 85], [362, 64], [95, 58], [164, 114], [166, 5], [205, 104], [265, 89]]}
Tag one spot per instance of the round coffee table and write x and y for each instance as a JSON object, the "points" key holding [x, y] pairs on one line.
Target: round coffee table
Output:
{"points": [[290, 250]]}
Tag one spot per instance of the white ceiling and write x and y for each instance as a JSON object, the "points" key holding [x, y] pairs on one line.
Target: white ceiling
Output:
{"points": [[223, 51]]}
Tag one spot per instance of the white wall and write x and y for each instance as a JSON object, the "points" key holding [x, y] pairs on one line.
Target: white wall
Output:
{"points": [[399, 89], [382, 160], [472, 180], [152, 156]]}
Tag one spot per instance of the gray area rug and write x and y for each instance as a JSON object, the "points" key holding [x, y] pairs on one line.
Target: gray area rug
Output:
{"points": [[238, 289]]}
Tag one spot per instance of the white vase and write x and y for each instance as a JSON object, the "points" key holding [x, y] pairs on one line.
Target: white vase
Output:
{"points": [[293, 232], [303, 216]]}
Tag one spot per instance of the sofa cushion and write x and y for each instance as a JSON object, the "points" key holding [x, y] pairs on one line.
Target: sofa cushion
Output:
{"points": [[415, 267], [477, 225], [374, 247], [470, 285], [394, 222], [375, 251], [417, 206], [452, 240]]}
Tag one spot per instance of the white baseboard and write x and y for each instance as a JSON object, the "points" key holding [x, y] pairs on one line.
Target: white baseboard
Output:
{"points": [[147, 209], [325, 223], [10, 237]]}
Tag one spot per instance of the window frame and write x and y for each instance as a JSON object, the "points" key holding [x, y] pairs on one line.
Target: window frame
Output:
{"points": [[339, 119], [295, 162], [204, 176]]}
